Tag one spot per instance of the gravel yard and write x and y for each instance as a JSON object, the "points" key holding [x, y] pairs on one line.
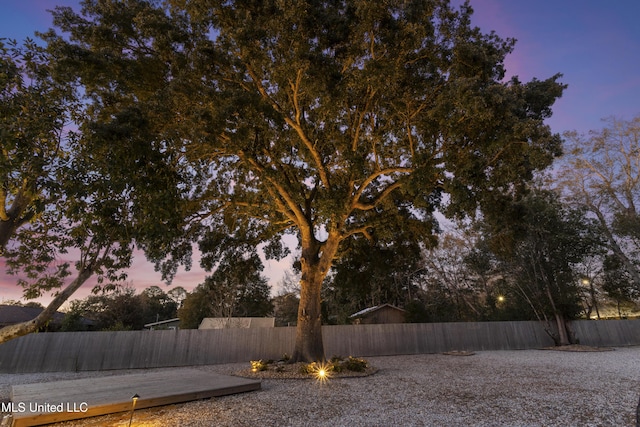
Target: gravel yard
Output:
{"points": [[493, 388]]}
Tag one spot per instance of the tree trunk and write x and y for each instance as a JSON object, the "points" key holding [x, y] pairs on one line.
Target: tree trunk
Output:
{"points": [[14, 331], [315, 261], [561, 323], [309, 345], [594, 301]]}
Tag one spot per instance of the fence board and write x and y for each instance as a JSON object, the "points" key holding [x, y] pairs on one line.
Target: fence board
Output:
{"points": [[86, 351]]}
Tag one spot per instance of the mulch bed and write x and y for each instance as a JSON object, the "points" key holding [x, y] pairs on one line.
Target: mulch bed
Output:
{"points": [[293, 371]]}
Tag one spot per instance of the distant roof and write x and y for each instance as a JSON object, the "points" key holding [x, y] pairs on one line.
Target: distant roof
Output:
{"points": [[376, 308], [162, 322], [12, 314]]}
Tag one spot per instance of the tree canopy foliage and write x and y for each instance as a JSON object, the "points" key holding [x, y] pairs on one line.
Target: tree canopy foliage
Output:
{"points": [[324, 119], [50, 202], [34, 109]]}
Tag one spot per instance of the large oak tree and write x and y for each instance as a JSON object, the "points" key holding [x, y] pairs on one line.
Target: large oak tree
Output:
{"points": [[328, 120]]}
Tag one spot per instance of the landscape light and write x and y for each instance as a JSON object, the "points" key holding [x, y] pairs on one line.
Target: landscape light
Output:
{"points": [[322, 373], [134, 400]]}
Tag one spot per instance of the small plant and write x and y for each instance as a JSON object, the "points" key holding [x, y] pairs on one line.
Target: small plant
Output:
{"points": [[336, 364], [308, 368], [259, 365]]}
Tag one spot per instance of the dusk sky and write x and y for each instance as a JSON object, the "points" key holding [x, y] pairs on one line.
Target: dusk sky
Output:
{"points": [[594, 44]]}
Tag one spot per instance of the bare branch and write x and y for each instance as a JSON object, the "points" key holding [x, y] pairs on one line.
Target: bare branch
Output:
{"points": [[356, 137]]}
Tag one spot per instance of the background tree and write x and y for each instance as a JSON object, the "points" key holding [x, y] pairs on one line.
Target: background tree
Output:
{"points": [[452, 293], [618, 283], [285, 309], [196, 306], [602, 173], [235, 289], [539, 253], [157, 305], [115, 309], [120, 308], [368, 274], [325, 120], [72, 321], [177, 295], [286, 302]]}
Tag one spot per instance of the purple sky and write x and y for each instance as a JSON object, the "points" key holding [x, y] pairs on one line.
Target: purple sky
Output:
{"points": [[595, 44]]}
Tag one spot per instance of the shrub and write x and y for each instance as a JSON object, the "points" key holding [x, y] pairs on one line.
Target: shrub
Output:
{"points": [[355, 364], [259, 365], [308, 368], [336, 364]]}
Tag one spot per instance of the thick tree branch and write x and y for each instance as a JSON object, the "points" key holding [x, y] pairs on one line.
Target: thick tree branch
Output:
{"points": [[3, 207], [295, 124], [283, 200], [262, 90], [87, 270], [360, 230], [355, 201], [293, 207], [14, 331], [368, 206]]}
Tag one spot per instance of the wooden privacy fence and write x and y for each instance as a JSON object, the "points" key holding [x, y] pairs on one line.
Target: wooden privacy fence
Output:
{"points": [[87, 351]]}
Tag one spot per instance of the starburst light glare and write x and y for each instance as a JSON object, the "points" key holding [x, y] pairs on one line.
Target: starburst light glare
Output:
{"points": [[322, 373]]}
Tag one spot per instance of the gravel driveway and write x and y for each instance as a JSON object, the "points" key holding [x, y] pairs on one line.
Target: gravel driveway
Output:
{"points": [[493, 388]]}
